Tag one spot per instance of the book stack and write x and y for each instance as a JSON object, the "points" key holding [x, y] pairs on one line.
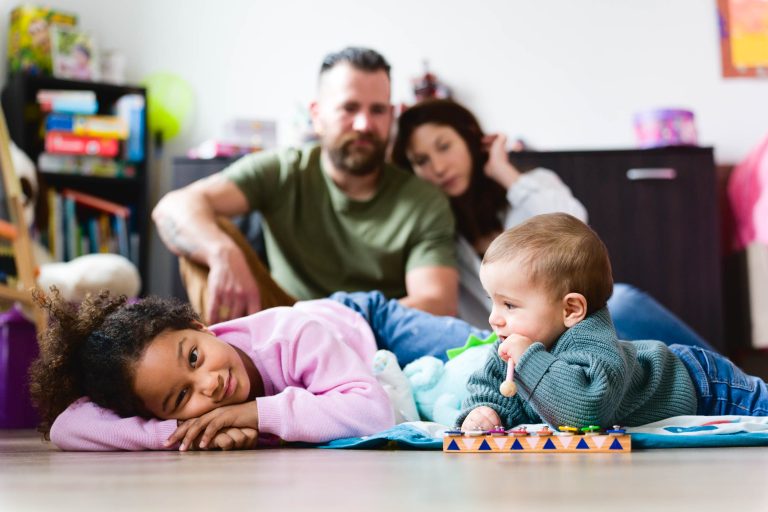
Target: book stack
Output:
{"points": [[82, 224], [77, 141]]}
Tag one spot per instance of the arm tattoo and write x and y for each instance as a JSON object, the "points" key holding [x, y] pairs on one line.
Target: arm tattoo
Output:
{"points": [[175, 238]]}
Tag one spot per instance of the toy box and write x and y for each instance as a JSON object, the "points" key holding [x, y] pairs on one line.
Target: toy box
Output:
{"points": [[29, 38]]}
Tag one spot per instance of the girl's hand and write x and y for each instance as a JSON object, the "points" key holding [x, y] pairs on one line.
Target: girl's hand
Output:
{"points": [[498, 167], [235, 438], [513, 347], [481, 418], [209, 424]]}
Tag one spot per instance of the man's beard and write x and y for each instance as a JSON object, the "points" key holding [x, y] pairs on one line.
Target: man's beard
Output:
{"points": [[357, 161]]}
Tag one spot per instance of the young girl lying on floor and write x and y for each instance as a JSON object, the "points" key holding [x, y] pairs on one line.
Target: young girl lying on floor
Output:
{"points": [[300, 374]]}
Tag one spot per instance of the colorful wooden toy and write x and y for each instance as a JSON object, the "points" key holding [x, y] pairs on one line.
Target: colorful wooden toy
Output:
{"points": [[616, 440]]}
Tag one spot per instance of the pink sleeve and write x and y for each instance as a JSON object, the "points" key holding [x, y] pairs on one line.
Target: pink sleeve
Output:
{"points": [[329, 392], [84, 426]]}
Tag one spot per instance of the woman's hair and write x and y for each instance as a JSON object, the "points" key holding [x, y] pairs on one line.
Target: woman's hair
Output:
{"points": [[477, 210], [91, 350], [560, 253]]}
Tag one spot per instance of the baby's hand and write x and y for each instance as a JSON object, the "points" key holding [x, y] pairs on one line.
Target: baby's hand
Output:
{"points": [[513, 347], [481, 418], [235, 438], [209, 424]]}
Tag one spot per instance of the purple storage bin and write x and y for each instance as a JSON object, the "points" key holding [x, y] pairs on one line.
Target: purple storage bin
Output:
{"points": [[665, 127], [18, 348]]}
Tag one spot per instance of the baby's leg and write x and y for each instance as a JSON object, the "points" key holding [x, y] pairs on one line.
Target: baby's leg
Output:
{"points": [[407, 332], [722, 387]]}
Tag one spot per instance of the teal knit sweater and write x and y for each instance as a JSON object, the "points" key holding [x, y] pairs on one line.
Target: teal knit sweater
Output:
{"points": [[589, 377]]}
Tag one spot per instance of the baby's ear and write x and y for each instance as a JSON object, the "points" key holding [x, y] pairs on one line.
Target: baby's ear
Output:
{"points": [[574, 309]]}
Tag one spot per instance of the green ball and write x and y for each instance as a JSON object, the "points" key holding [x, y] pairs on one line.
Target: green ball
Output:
{"points": [[170, 101]]}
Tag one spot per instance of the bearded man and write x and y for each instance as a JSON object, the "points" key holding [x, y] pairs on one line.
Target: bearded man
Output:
{"points": [[336, 215]]}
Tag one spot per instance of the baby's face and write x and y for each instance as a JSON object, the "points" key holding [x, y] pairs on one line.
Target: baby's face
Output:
{"points": [[519, 307], [184, 374]]}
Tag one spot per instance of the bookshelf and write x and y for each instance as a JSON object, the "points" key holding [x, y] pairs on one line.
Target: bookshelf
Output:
{"points": [[124, 184]]}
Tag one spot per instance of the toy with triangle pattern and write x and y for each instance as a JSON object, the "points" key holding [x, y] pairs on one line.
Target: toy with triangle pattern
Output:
{"points": [[568, 440]]}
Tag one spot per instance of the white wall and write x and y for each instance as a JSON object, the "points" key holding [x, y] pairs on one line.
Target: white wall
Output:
{"points": [[562, 74]]}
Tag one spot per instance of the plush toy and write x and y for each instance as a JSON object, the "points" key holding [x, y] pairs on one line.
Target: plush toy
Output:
{"points": [[90, 274], [391, 377], [440, 388], [75, 278]]}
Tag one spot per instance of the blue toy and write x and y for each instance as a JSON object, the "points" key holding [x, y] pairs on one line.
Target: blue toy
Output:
{"points": [[440, 388]]}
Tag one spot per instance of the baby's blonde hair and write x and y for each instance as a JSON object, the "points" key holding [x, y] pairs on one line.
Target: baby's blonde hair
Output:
{"points": [[561, 254]]}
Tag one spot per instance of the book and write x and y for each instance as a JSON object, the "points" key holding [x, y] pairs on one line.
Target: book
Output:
{"points": [[85, 165], [69, 144], [73, 54], [71, 102], [112, 127], [97, 203]]}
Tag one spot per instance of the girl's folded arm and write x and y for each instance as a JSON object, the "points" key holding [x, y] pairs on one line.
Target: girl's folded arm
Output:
{"points": [[84, 426]]}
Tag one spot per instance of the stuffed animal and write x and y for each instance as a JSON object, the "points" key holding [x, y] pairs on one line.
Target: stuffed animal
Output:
{"points": [[440, 388], [90, 274], [387, 371]]}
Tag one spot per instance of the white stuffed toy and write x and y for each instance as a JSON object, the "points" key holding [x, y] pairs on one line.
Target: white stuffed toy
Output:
{"points": [[440, 388], [74, 279], [387, 371]]}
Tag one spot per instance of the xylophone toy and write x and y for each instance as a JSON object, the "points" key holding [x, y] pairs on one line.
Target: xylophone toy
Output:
{"points": [[590, 439]]}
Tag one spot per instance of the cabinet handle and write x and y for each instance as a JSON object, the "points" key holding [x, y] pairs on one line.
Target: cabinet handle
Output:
{"points": [[652, 173]]}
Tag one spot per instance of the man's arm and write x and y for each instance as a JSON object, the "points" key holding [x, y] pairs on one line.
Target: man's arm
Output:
{"points": [[186, 222], [432, 289]]}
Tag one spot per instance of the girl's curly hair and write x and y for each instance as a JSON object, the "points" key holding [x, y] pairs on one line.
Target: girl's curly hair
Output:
{"points": [[91, 350]]}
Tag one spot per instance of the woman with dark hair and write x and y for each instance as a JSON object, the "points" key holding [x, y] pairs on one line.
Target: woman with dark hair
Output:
{"points": [[443, 143]]}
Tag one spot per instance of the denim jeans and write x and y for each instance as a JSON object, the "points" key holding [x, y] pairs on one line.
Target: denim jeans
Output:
{"points": [[407, 332], [411, 333], [638, 316], [721, 387]]}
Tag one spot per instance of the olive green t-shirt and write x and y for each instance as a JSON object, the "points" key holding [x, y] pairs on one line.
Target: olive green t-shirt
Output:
{"points": [[320, 241]]}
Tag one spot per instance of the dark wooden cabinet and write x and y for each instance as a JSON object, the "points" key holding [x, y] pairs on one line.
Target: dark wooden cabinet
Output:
{"points": [[657, 212]]}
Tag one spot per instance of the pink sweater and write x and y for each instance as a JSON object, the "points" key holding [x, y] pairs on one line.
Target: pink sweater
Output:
{"points": [[315, 361]]}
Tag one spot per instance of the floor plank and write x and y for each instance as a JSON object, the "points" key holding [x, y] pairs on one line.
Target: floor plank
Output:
{"points": [[34, 476]]}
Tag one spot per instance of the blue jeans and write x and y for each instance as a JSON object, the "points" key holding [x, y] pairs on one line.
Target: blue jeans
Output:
{"points": [[411, 333], [407, 332], [638, 316], [721, 387]]}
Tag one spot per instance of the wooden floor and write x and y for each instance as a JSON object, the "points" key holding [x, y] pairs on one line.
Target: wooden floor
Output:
{"points": [[34, 476]]}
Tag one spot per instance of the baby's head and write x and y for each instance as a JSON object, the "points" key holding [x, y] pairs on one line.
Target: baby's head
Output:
{"points": [[545, 275], [135, 359]]}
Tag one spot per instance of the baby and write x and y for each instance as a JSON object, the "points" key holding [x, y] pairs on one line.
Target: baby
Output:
{"points": [[549, 280]]}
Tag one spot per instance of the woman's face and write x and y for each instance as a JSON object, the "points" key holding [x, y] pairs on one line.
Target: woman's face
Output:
{"points": [[439, 155]]}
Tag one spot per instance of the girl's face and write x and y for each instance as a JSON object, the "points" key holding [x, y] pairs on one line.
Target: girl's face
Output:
{"points": [[439, 155], [184, 374]]}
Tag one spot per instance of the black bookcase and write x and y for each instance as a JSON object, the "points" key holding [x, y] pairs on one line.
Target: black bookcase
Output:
{"points": [[25, 121]]}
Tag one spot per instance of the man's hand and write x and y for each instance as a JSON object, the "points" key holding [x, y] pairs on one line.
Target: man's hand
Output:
{"points": [[245, 415], [513, 347], [481, 418], [232, 290]]}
